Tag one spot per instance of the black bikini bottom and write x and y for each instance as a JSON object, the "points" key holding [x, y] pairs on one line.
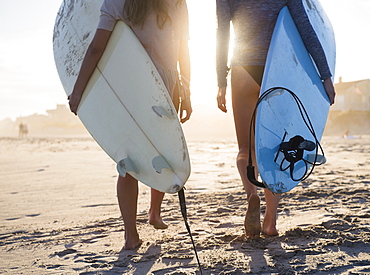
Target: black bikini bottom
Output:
{"points": [[256, 72]]}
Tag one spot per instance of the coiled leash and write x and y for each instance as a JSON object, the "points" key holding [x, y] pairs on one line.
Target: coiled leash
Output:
{"points": [[293, 153], [293, 149], [185, 216]]}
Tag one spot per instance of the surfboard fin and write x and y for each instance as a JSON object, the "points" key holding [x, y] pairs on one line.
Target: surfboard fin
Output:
{"points": [[159, 163], [160, 111], [126, 165], [320, 159]]}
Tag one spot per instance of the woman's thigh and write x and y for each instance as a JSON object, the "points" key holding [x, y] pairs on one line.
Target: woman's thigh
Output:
{"points": [[245, 93]]}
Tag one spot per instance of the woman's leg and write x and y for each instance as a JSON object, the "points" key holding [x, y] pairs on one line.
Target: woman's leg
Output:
{"points": [[155, 218], [245, 93], [269, 222], [127, 193]]}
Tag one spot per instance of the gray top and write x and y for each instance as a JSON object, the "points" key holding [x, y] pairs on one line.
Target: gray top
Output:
{"points": [[254, 22]]}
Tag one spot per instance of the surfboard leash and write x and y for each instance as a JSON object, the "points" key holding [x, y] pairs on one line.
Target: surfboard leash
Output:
{"points": [[305, 117], [181, 194]]}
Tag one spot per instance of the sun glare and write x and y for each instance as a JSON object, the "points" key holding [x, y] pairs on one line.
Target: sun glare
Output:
{"points": [[202, 44], [202, 19]]}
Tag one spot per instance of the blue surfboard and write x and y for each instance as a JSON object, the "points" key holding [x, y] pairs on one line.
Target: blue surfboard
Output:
{"points": [[279, 118]]}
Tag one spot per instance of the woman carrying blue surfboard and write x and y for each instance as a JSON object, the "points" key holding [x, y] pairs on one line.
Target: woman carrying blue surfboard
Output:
{"points": [[254, 23], [162, 28]]}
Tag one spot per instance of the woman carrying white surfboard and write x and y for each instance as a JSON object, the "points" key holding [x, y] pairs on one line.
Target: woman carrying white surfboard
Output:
{"points": [[253, 23], [162, 28]]}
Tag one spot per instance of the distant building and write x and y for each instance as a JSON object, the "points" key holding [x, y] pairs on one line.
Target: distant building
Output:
{"points": [[350, 114], [58, 122], [62, 116], [60, 112], [352, 96]]}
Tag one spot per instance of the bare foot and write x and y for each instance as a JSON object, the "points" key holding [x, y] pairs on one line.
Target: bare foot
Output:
{"points": [[158, 223], [252, 222], [132, 244], [269, 227]]}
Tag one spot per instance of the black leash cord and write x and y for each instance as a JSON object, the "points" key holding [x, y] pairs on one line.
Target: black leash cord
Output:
{"points": [[307, 121], [185, 216]]}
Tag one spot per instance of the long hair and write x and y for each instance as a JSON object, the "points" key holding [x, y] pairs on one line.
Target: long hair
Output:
{"points": [[136, 11]]}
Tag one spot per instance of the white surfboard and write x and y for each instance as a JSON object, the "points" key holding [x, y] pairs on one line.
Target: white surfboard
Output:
{"points": [[289, 65], [125, 106]]}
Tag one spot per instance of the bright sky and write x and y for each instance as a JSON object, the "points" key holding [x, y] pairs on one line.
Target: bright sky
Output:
{"points": [[29, 82]]}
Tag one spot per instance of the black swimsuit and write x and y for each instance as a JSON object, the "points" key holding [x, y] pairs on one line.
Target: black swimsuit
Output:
{"points": [[256, 72]]}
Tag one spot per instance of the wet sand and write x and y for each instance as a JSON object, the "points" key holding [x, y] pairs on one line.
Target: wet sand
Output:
{"points": [[59, 214]]}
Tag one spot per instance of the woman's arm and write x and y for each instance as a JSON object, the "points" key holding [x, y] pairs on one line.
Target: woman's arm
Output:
{"points": [[184, 63], [313, 45], [91, 59], [309, 37], [222, 44], [330, 91], [222, 48], [221, 99]]}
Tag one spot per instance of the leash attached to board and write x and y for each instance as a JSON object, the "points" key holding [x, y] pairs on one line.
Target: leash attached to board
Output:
{"points": [[293, 149], [185, 217]]}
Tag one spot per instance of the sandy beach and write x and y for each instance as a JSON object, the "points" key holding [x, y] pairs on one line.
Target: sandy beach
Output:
{"points": [[59, 214]]}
